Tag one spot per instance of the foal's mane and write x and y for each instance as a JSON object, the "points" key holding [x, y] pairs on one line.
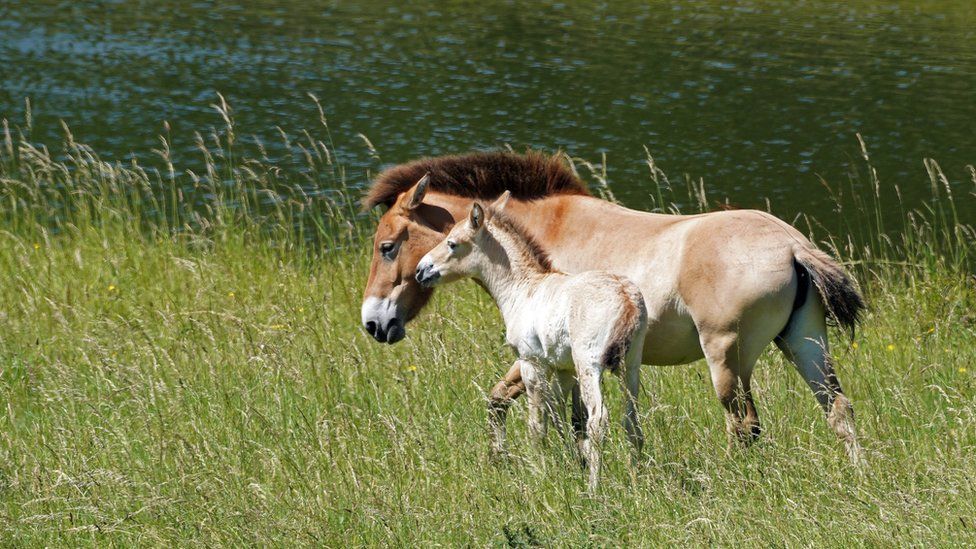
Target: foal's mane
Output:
{"points": [[509, 225], [480, 175]]}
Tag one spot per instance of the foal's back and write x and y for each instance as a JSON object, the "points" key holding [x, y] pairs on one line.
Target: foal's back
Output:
{"points": [[606, 313]]}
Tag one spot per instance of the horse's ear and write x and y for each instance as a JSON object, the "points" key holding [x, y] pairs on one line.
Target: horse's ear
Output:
{"points": [[477, 217], [418, 191], [500, 203]]}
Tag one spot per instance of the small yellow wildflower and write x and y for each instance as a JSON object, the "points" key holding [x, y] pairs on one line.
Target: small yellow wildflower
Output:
{"points": [[890, 347], [37, 246], [301, 309], [112, 288], [277, 326], [854, 345], [412, 368], [230, 294], [962, 370]]}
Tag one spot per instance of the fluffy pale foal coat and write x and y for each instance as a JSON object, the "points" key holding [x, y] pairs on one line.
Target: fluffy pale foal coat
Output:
{"points": [[561, 326]]}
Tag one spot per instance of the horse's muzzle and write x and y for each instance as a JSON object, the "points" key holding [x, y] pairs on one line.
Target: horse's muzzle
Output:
{"points": [[391, 333]]}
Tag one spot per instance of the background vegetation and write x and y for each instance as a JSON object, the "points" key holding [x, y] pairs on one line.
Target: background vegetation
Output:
{"points": [[187, 366]]}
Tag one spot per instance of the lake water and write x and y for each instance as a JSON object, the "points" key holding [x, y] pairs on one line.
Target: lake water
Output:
{"points": [[761, 99]]}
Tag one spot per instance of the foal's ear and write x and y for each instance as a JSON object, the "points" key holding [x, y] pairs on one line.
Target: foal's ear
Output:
{"points": [[500, 203], [418, 191], [477, 217]]}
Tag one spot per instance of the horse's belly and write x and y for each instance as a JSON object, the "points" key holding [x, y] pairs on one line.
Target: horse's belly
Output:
{"points": [[671, 339]]}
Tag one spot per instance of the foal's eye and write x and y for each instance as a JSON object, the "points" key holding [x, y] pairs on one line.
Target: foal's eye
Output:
{"points": [[451, 245], [388, 249]]}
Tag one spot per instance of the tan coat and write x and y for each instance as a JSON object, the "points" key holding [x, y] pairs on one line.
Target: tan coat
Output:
{"points": [[721, 285]]}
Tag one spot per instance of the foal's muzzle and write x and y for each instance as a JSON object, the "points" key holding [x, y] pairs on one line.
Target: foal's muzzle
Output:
{"points": [[426, 275]]}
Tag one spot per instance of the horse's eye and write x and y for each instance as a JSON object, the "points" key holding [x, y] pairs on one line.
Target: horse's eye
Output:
{"points": [[388, 249], [451, 245]]}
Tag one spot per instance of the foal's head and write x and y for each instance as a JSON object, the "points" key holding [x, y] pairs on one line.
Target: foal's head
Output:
{"points": [[464, 251]]}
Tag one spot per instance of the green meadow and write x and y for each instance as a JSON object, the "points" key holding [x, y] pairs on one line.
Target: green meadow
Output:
{"points": [[186, 366]]}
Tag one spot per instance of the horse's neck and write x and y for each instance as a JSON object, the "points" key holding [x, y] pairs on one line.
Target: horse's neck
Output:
{"points": [[583, 233]]}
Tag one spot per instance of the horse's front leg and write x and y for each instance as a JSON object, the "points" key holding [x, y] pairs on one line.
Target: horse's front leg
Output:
{"points": [[499, 401]]}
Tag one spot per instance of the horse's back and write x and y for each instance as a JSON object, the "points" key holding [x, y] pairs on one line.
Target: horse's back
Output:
{"points": [[737, 269]]}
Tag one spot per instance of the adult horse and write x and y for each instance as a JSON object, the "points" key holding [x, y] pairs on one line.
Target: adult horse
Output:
{"points": [[720, 285]]}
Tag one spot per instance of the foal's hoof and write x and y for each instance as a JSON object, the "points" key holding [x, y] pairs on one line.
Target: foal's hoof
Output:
{"points": [[581, 456], [499, 457], [752, 433], [855, 453]]}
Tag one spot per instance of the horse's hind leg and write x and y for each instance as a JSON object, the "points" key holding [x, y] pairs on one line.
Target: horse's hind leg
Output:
{"points": [[730, 364], [805, 344], [750, 421], [502, 395]]}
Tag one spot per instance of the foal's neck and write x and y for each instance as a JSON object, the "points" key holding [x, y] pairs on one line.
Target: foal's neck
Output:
{"points": [[515, 269]]}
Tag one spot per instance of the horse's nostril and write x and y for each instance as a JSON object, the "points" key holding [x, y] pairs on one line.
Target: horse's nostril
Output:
{"points": [[371, 327], [395, 331]]}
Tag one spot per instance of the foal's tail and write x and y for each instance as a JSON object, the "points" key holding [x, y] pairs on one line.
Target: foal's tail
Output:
{"points": [[632, 320], [837, 289]]}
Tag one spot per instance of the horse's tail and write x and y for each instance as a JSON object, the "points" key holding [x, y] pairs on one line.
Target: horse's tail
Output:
{"points": [[633, 318], [838, 290]]}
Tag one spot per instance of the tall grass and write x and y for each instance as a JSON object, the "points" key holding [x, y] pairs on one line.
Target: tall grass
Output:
{"points": [[181, 363]]}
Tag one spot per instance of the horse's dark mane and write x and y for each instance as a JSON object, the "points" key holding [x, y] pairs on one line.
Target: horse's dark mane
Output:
{"points": [[482, 175], [509, 225]]}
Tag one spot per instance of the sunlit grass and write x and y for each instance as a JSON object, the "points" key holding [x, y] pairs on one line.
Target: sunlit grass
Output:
{"points": [[187, 367]]}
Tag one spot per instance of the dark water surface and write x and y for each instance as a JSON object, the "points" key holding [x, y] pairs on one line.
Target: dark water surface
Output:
{"points": [[759, 98]]}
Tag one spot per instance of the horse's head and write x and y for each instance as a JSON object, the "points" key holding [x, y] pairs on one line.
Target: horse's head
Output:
{"points": [[407, 231], [416, 220]]}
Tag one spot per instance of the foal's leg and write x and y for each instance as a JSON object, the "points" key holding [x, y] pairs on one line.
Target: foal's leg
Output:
{"points": [[564, 384], [805, 344], [579, 419], [536, 389], [596, 424]]}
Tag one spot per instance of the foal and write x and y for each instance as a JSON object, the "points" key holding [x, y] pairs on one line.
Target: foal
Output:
{"points": [[593, 320]]}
